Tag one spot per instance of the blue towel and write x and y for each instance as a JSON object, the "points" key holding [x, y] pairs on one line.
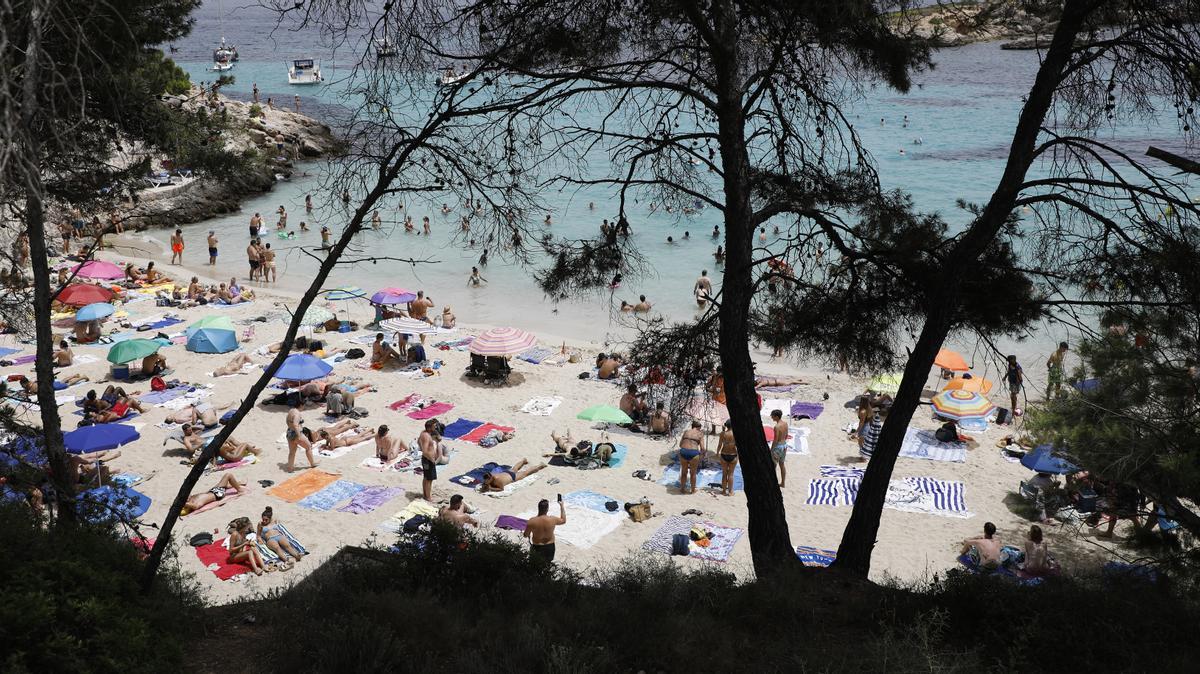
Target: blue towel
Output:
{"points": [[164, 323], [475, 477], [460, 428], [590, 500], [618, 456], [5, 351], [331, 495], [536, 355], [704, 476]]}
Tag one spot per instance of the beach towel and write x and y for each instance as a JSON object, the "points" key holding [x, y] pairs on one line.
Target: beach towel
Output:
{"points": [[614, 461], [585, 527], [784, 405], [536, 355], [403, 403], [592, 501], [723, 539], [343, 450], [705, 477], [474, 477], [269, 555], [22, 360], [430, 411], [82, 359], [215, 558], [5, 351], [803, 410], [927, 495], [367, 500], [302, 485], [542, 407], [512, 487], [921, 444], [248, 460], [404, 464], [331, 495], [832, 491], [162, 323], [511, 523], [188, 399], [788, 388], [230, 494], [128, 415], [395, 523], [817, 557], [159, 397], [797, 441], [459, 428], [481, 432]]}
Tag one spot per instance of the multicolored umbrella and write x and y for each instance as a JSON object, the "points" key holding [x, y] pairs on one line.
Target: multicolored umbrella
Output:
{"points": [[132, 349], [606, 414], [951, 360], [390, 296], [83, 294], [886, 383], [408, 326], [345, 293], [303, 367], [98, 269], [974, 384], [502, 342], [94, 312], [218, 322], [961, 405]]}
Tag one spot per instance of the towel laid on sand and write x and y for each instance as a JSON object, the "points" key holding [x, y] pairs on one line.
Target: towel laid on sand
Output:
{"points": [[512, 487], [481, 432], [367, 500], [302, 485], [797, 442], [269, 555], [706, 476], [215, 558], [430, 411], [331, 495], [802, 410], [536, 355], [230, 465], [230, 494], [542, 407], [921, 444], [344, 450], [810, 556], [722, 543], [459, 428], [510, 522], [928, 495], [585, 527], [592, 500], [395, 523]]}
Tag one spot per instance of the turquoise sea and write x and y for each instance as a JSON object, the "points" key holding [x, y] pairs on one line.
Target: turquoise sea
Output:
{"points": [[962, 112]]}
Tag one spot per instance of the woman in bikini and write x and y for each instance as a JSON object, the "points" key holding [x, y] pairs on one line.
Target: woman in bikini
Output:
{"points": [[334, 441], [233, 366], [241, 550], [233, 450], [298, 436], [727, 450], [691, 448], [273, 538], [197, 501]]}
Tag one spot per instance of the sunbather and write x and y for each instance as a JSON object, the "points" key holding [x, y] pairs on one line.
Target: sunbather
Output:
{"points": [[198, 413], [197, 501], [90, 466], [234, 366], [63, 356], [273, 538], [335, 441], [227, 297], [389, 448], [334, 429], [241, 550], [155, 363], [562, 443], [765, 380], [985, 551], [87, 332], [456, 513], [233, 450], [498, 479], [382, 353], [118, 411]]}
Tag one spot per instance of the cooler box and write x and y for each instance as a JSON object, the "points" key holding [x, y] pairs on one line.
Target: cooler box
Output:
{"points": [[120, 372]]}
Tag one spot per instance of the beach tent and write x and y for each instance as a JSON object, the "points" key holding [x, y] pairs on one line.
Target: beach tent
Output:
{"points": [[98, 269], [1042, 460], [132, 349], [303, 367], [951, 360], [218, 322], [83, 294], [606, 414], [99, 437], [502, 342], [408, 326], [389, 296], [212, 340], [94, 312], [961, 405]]}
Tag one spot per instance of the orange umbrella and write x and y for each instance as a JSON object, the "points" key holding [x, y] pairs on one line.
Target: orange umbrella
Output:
{"points": [[951, 360], [974, 385]]}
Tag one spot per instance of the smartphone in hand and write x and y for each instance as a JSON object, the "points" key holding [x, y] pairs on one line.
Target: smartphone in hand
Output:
{"points": [[560, 498]]}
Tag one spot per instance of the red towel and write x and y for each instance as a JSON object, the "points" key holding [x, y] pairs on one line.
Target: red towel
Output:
{"points": [[431, 411], [481, 432], [402, 404], [215, 553]]}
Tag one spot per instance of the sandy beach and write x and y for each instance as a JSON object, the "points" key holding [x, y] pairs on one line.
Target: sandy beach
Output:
{"points": [[912, 544]]}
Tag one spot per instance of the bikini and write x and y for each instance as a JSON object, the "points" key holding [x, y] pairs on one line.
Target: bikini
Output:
{"points": [[270, 533], [729, 458], [688, 454]]}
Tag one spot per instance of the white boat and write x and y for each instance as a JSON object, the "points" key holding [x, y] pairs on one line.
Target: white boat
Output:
{"points": [[450, 77], [221, 66], [385, 49], [224, 55], [304, 71]]}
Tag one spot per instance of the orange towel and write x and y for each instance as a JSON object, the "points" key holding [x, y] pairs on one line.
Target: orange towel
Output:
{"points": [[302, 485]]}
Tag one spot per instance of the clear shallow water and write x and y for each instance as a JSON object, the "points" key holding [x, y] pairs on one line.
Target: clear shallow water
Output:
{"points": [[963, 111]]}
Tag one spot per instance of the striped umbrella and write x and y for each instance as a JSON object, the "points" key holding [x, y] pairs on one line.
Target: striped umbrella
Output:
{"points": [[502, 342], [407, 326], [393, 296], [345, 293], [961, 405]]}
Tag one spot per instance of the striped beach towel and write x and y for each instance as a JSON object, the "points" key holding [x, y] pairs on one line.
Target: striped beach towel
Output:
{"points": [[331, 495], [948, 496], [921, 444], [269, 555]]}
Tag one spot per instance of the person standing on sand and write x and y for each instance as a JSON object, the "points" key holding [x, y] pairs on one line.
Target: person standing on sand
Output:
{"points": [[540, 530], [212, 247], [177, 247], [1054, 370], [297, 439], [779, 445], [1015, 378], [427, 441], [255, 260], [703, 289]]}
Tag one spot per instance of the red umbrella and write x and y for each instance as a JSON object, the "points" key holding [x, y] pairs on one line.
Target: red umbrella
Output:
{"points": [[83, 294]]}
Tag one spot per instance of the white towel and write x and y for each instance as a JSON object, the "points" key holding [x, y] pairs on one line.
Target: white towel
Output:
{"points": [[513, 486], [542, 407], [585, 527], [342, 451]]}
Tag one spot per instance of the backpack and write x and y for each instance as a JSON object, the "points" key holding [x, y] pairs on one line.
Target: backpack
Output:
{"points": [[202, 538], [413, 524], [679, 544], [355, 353], [157, 383]]}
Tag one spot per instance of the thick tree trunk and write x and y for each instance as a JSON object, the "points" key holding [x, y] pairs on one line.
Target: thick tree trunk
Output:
{"points": [[770, 542], [858, 539], [1182, 163]]}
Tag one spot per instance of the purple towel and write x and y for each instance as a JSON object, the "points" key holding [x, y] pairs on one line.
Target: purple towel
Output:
{"points": [[160, 397], [510, 522], [369, 499], [21, 360], [810, 410]]}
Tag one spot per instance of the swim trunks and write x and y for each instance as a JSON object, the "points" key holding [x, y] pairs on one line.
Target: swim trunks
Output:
{"points": [[212, 252], [428, 469], [177, 247], [217, 492], [543, 551], [779, 451]]}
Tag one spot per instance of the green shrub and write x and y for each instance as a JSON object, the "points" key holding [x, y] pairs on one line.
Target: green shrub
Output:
{"points": [[256, 110]]}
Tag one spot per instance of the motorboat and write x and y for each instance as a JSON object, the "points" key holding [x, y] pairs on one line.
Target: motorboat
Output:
{"points": [[385, 49], [450, 77], [304, 71]]}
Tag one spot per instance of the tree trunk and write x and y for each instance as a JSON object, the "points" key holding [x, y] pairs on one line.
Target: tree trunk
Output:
{"points": [[770, 542], [1182, 163], [858, 539]]}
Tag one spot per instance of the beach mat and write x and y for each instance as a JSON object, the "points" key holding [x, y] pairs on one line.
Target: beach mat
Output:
{"points": [[816, 557], [431, 411], [481, 432], [215, 558], [922, 444], [302, 485], [585, 527], [723, 539], [474, 478], [395, 523], [805, 410], [618, 457], [459, 428], [367, 500], [704, 477], [542, 407], [230, 494], [331, 495]]}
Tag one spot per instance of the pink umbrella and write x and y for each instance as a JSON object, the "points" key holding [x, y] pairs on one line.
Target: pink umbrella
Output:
{"points": [[704, 409], [502, 342], [98, 269]]}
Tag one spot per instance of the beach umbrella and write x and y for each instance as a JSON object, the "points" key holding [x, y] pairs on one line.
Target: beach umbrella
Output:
{"points": [[94, 312], [606, 414], [1042, 460], [132, 349], [961, 405], [212, 340], [711, 411], [107, 502], [98, 269], [23, 449], [979, 385], [408, 326], [83, 294], [217, 322], [345, 293], [886, 383], [951, 360], [393, 296], [99, 437], [303, 367], [316, 316], [502, 342]]}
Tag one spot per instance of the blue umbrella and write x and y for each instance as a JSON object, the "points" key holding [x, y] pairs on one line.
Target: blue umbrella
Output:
{"points": [[94, 312], [99, 437], [303, 367], [212, 340], [1042, 460], [22, 449], [107, 502]]}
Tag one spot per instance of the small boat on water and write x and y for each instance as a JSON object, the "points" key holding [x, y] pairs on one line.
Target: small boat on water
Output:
{"points": [[385, 49], [450, 77], [224, 55], [304, 71]]}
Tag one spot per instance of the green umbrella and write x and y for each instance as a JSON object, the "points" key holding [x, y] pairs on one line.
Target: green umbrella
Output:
{"points": [[886, 383], [316, 316], [217, 322], [132, 349], [605, 414]]}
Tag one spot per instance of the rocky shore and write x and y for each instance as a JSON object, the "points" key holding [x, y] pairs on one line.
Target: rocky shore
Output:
{"points": [[956, 24]]}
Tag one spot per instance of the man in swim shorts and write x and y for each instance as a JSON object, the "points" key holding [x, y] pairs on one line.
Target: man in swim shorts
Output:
{"points": [[177, 247], [779, 444], [428, 444], [540, 530], [212, 247]]}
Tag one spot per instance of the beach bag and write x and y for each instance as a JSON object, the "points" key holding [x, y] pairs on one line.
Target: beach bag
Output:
{"points": [[414, 524], [639, 512], [157, 384], [358, 413], [679, 544], [201, 539], [355, 353]]}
